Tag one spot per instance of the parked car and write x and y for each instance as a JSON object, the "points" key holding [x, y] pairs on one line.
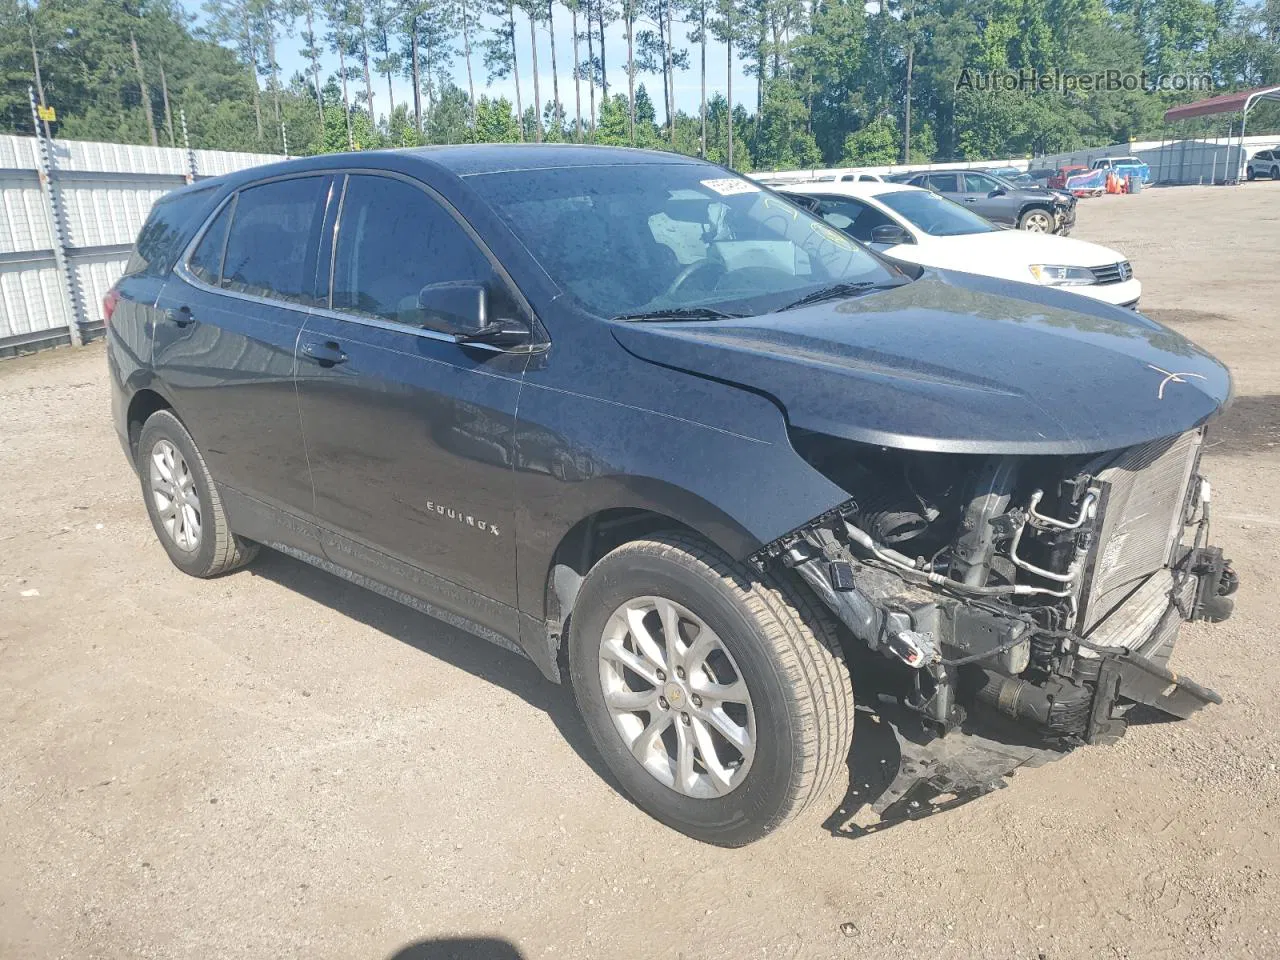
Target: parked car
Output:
{"points": [[1013, 175], [1124, 167], [1042, 175], [1027, 208], [1059, 180], [918, 226], [1264, 163], [679, 442]]}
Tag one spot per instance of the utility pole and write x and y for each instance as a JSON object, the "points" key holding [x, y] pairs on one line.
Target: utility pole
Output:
{"points": [[142, 87], [57, 233], [35, 61], [168, 114]]}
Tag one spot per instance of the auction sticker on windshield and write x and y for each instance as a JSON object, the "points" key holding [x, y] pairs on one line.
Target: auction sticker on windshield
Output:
{"points": [[727, 186]]}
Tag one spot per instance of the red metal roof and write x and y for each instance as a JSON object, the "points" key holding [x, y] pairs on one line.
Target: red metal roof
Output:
{"points": [[1225, 103]]}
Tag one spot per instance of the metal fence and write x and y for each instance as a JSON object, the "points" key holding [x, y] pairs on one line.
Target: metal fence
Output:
{"points": [[69, 213]]}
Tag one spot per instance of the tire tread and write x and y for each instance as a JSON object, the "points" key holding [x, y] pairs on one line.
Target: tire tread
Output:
{"points": [[807, 647]]}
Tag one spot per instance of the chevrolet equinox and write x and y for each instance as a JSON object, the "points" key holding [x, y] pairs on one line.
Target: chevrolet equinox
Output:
{"points": [[681, 443]]}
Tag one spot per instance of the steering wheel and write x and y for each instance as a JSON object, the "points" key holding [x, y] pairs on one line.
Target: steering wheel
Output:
{"points": [[706, 263]]}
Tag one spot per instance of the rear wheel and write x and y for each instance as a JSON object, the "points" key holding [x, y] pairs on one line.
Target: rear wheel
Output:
{"points": [[183, 503], [1251, 174], [1275, 173], [718, 698], [1036, 221]]}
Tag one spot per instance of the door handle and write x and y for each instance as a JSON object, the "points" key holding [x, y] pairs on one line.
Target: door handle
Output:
{"points": [[327, 353], [181, 317], [969, 199]]}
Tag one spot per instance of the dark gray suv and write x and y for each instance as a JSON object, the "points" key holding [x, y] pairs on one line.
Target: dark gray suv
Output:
{"points": [[1036, 209]]}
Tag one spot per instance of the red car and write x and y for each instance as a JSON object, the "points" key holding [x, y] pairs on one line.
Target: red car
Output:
{"points": [[1059, 180]]}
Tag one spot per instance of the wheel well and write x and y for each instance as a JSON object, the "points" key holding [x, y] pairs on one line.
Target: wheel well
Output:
{"points": [[142, 406], [585, 543], [1035, 205]]}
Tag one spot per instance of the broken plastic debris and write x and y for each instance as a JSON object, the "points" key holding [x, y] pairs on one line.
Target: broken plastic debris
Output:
{"points": [[31, 593]]}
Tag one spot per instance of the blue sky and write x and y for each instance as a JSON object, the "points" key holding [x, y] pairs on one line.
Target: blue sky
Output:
{"points": [[687, 83]]}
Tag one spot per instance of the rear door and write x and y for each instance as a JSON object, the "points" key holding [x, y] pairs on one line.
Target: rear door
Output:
{"points": [[947, 184], [410, 434], [224, 348]]}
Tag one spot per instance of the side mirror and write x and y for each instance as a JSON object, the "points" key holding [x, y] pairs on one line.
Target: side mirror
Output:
{"points": [[890, 234], [461, 310], [998, 192]]}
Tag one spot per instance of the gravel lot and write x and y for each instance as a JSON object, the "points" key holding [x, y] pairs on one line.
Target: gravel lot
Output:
{"points": [[278, 763]]}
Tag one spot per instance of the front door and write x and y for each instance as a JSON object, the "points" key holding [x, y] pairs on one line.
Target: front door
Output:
{"points": [[980, 193], [409, 433]]}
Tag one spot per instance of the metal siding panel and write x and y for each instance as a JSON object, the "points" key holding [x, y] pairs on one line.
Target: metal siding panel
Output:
{"points": [[30, 298], [94, 277], [23, 223]]}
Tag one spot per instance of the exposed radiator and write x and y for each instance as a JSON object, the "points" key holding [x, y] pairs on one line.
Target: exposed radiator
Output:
{"points": [[1144, 492]]}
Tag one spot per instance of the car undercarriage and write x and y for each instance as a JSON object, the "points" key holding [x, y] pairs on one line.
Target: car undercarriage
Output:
{"points": [[1043, 590]]}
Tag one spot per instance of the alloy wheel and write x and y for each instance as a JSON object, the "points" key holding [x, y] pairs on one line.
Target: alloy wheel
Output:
{"points": [[174, 494], [677, 697], [1037, 222]]}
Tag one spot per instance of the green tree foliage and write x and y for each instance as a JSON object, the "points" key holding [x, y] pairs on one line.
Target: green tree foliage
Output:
{"points": [[830, 82]]}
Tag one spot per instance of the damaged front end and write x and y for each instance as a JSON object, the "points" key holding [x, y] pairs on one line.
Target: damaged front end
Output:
{"points": [[1048, 590]]}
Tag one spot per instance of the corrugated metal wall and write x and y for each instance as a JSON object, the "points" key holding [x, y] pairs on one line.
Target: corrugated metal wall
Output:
{"points": [[102, 193]]}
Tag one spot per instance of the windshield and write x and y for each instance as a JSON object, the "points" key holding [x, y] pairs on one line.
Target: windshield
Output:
{"points": [[633, 239], [935, 215]]}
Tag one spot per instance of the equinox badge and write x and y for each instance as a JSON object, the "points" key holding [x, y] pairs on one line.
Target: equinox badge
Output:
{"points": [[452, 514]]}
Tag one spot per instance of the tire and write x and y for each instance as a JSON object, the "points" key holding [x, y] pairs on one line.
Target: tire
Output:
{"points": [[776, 641], [207, 547], [1275, 173], [1250, 174], [1036, 220]]}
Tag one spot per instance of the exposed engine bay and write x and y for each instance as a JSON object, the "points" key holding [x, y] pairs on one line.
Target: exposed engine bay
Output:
{"points": [[1048, 590]]}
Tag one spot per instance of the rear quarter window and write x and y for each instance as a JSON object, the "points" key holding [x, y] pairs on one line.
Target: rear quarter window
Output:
{"points": [[171, 222]]}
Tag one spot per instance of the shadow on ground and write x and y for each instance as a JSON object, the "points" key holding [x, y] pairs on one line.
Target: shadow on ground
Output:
{"points": [[459, 948], [1251, 425], [438, 639]]}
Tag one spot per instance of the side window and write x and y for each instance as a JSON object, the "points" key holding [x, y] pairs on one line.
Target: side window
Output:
{"points": [[271, 249], [944, 182], [393, 241], [162, 236], [977, 183], [206, 260]]}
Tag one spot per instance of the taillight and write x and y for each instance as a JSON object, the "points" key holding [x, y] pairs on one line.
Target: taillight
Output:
{"points": [[109, 305]]}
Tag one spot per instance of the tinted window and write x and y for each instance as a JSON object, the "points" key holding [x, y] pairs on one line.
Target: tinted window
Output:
{"points": [[854, 218], [206, 260], [945, 182], [394, 240], [271, 249], [645, 237], [168, 225], [977, 183], [935, 215]]}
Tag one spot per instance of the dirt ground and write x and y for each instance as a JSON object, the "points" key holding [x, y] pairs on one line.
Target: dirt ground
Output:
{"points": [[277, 763]]}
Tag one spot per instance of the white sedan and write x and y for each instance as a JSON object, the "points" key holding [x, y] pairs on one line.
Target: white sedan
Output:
{"points": [[918, 226]]}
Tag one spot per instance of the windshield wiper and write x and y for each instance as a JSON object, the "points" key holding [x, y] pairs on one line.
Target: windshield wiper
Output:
{"points": [[831, 292], [679, 313]]}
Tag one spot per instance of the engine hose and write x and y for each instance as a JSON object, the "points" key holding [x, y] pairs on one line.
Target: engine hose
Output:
{"points": [[1015, 698], [898, 561]]}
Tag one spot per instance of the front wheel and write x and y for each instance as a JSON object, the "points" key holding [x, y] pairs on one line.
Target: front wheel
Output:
{"points": [[719, 698], [1036, 221]]}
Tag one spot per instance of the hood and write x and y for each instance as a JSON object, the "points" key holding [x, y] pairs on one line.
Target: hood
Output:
{"points": [[1021, 248], [951, 363]]}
